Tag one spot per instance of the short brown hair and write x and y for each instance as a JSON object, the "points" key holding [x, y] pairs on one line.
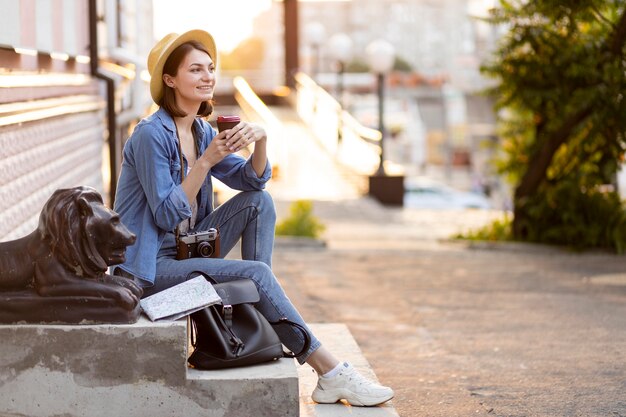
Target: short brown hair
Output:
{"points": [[168, 100]]}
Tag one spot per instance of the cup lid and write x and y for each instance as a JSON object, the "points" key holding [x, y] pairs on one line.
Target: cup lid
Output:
{"points": [[228, 119]]}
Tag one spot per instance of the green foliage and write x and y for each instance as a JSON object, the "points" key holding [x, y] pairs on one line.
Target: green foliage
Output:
{"points": [[402, 65], [357, 65], [498, 230], [594, 218], [560, 84], [300, 221]]}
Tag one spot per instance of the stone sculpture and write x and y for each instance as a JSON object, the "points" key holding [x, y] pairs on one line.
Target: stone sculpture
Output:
{"points": [[58, 273]]}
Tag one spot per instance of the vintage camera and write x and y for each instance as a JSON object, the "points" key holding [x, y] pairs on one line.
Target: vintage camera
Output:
{"points": [[198, 245]]}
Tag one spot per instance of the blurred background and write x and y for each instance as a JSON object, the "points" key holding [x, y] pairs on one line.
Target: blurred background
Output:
{"points": [[76, 62], [394, 89]]}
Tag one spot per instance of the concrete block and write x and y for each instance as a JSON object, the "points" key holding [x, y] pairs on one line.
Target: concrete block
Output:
{"points": [[130, 370]]}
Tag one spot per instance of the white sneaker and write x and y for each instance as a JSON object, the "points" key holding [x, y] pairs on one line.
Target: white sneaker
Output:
{"points": [[351, 386]]}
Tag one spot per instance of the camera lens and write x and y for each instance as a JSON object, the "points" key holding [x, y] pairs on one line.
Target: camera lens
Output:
{"points": [[205, 249]]}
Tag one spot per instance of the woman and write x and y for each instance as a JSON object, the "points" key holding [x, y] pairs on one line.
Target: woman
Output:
{"points": [[165, 188]]}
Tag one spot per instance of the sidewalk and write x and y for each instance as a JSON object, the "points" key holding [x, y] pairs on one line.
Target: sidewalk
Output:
{"points": [[515, 330]]}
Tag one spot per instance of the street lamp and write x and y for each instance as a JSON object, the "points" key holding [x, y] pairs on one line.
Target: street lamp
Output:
{"points": [[340, 49], [380, 57], [315, 34], [388, 189]]}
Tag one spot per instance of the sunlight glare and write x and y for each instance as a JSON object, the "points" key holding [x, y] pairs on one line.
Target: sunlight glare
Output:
{"points": [[229, 21]]}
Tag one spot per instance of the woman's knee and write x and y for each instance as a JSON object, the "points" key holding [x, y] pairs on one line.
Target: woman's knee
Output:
{"points": [[265, 205], [263, 275], [265, 199]]}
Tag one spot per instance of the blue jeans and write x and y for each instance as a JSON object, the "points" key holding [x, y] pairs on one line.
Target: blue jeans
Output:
{"points": [[250, 216]]}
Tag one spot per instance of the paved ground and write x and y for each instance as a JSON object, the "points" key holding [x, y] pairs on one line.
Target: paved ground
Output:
{"points": [[513, 330]]}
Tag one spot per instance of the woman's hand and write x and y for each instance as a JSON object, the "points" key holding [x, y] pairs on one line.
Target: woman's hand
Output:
{"points": [[233, 140], [243, 134], [217, 150]]}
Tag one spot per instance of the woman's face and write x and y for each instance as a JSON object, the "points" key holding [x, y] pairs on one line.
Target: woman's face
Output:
{"points": [[195, 78]]}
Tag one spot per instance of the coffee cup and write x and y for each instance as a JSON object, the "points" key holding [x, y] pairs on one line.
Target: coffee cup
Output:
{"points": [[227, 122]]}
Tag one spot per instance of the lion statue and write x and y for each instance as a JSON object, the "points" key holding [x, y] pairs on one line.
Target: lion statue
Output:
{"points": [[58, 273]]}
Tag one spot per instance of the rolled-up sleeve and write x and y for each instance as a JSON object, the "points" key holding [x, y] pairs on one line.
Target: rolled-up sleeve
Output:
{"points": [[238, 173], [156, 163]]}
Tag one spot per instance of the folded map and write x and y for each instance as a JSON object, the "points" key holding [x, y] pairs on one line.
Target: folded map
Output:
{"points": [[180, 300]]}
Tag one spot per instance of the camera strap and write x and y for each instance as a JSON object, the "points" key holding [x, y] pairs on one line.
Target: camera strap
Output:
{"points": [[182, 170]]}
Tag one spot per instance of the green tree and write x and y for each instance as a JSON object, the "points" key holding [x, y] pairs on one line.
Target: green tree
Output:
{"points": [[560, 85]]}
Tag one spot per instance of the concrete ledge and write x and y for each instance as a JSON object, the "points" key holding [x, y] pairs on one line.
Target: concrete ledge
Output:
{"points": [[509, 246], [269, 389], [338, 339], [299, 242], [130, 370]]}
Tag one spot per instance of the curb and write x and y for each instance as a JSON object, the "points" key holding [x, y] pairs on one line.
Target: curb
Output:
{"points": [[527, 247], [299, 242]]}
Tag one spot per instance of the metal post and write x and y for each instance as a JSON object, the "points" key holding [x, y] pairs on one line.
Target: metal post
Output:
{"points": [[381, 122], [340, 82], [114, 149], [316, 62], [340, 99], [290, 9]]}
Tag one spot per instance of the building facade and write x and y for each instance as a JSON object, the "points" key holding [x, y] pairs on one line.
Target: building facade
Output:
{"points": [[436, 115], [67, 69]]}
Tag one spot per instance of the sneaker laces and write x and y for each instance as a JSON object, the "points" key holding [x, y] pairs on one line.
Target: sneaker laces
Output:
{"points": [[355, 376]]}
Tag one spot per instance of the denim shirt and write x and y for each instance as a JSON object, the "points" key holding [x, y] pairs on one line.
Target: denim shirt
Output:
{"points": [[149, 197]]}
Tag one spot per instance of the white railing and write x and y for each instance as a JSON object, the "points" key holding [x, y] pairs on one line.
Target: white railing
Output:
{"points": [[359, 146], [256, 111], [259, 80]]}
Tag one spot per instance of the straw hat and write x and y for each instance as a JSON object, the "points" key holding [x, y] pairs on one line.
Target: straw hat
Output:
{"points": [[162, 50]]}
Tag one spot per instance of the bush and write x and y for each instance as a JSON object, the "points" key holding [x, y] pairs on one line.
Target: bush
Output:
{"points": [[498, 230], [592, 218], [300, 221]]}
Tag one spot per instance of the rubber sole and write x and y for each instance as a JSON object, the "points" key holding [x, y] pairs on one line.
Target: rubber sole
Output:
{"points": [[332, 396]]}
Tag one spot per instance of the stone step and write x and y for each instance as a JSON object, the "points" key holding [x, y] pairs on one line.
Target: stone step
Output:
{"points": [[269, 389], [130, 370], [338, 339], [140, 369]]}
